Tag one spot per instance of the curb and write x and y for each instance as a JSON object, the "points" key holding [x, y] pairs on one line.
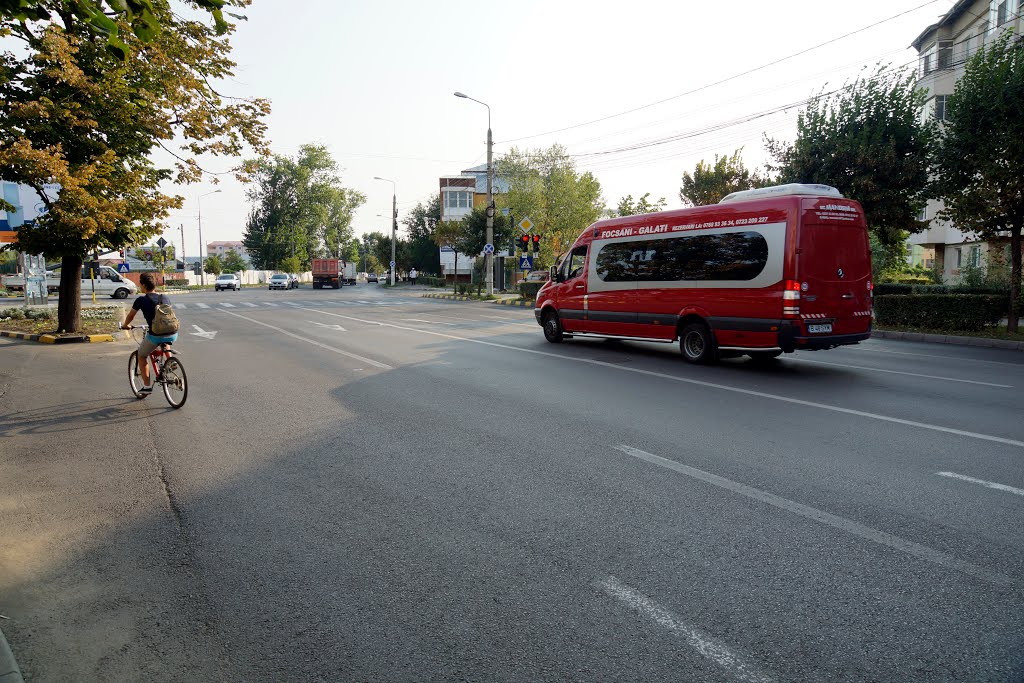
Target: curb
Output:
{"points": [[451, 297], [9, 671], [518, 304], [54, 339], [956, 340]]}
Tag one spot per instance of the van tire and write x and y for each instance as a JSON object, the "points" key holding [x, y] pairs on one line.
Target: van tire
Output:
{"points": [[697, 344], [121, 293], [553, 328]]}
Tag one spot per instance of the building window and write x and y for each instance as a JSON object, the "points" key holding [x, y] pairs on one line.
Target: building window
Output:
{"points": [[945, 54], [959, 257], [940, 107], [926, 63], [922, 215], [1002, 12], [974, 256], [458, 200]]}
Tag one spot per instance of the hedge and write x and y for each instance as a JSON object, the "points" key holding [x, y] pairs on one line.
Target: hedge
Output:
{"points": [[968, 312], [176, 282], [884, 288]]}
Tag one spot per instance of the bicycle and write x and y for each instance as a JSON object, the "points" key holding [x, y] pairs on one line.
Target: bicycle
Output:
{"points": [[167, 371]]}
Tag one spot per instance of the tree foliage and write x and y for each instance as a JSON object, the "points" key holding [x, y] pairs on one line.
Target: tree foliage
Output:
{"points": [[867, 140], [709, 183], [233, 262], [545, 186], [79, 126], [979, 160], [420, 223], [628, 207], [213, 265], [300, 208]]}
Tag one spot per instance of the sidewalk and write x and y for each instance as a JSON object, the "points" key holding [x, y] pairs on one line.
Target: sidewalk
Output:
{"points": [[985, 342]]}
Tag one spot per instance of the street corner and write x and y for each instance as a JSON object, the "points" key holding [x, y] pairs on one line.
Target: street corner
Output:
{"points": [[65, 338], [518, 303]]}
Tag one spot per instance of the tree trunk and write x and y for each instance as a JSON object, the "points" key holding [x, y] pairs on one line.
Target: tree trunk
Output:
{"points": [[1015, 255], [69, 303], [455, 289]]}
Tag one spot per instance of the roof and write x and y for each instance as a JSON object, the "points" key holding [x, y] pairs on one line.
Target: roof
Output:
{"points": [[225, 243], [948, 18]]}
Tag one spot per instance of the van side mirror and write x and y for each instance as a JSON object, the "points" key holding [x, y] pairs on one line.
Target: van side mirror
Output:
{"points": [[553, 274]]}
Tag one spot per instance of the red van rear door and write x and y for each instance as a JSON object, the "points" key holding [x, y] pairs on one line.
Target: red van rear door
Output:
{"points": [[834, 268]]}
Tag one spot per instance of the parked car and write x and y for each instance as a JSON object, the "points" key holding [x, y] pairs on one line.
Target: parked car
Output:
{"points": [[293, 280], [537, 276], [371, 277], [279, 281], [227, 281]]}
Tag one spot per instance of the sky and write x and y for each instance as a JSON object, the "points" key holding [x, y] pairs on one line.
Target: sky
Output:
{"points": [[374, 82]]}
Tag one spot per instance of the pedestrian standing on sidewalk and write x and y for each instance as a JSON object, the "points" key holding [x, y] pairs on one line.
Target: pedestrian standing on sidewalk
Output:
{"points": [[412, 276]]}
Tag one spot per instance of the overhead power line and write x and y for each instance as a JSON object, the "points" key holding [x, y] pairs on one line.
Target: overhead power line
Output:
{"points": [[724, 80]]}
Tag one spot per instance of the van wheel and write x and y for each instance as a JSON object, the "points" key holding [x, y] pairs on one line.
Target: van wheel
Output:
{"points": [[121, 293], [764, 357], [697, 344], [552, 328]]}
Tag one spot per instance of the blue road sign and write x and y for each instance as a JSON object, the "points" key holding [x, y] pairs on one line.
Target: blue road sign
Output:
{"points": [[488, 248], [123, 268], [526, 262], [392, 264]]}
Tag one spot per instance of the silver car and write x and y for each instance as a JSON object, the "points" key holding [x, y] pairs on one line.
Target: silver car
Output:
{"points": [[227, 281], [279, 281]]}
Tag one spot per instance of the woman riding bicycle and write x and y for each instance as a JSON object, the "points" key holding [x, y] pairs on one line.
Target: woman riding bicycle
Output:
{"points": [[147, 303]]}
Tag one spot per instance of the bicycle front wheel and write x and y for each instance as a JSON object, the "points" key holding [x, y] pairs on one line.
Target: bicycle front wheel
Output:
{"points": [[134, 376], [174, 382]]}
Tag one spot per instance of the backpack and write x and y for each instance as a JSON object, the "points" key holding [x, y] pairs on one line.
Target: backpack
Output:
{"points": [[165, 322]]}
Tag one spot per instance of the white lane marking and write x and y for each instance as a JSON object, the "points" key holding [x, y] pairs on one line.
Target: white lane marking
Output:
{"points": [[872, 347], [363, 302], [202, 305], [370, 361], [330, 327], [989, 484], [702, 383], [268, 303], [180, 306], [429, 322], [882, 538], [706, 645], [200, 332], [246, 303], [900, 372], [226, 304]]}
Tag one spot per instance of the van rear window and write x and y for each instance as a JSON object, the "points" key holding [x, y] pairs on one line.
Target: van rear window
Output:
{"points": [[729, 256]]}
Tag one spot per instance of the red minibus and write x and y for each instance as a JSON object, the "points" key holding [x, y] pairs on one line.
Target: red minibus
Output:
{"points": [[763, 272]]}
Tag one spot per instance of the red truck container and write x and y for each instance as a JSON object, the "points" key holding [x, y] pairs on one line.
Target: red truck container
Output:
{"points": [[328, 272]]}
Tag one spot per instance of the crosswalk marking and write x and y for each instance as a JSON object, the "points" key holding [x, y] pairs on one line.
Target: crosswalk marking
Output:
{"points": [[268, 303], [202, 305], [246, 303], [322, 303], [225, 304], [180, 306]]}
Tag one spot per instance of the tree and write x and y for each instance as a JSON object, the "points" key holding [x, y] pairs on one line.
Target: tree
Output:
{"points": [[420, 223], [867, 140], [627, 207], [79, 125], [300, 208], [101, 17], [213, 265], [545, 186], [449, 235], [709, 183], [233, 262], [979, 160], [473, 236], [290, 264]]}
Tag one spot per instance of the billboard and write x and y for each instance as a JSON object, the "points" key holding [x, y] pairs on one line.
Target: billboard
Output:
{"points": [[28, 206]]}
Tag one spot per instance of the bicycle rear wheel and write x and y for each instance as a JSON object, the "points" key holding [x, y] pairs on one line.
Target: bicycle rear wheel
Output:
{"points": [[134, 375], [174, 382]]}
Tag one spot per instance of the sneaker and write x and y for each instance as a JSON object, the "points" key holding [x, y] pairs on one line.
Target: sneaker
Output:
{"points": [[146, 391]]}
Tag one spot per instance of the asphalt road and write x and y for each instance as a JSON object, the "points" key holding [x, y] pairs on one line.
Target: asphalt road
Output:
{"points": [[366, 485]]}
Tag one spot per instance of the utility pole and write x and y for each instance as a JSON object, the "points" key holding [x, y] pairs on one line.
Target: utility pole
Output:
{"points": [[202, 247], [184, 265], [394, 225]]}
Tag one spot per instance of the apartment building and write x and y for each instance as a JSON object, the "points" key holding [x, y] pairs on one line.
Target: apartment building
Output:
{"points": [[460, 194], [943, 50], [221, 248]]}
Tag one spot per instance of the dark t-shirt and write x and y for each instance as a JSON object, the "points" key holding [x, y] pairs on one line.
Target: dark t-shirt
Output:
{"points": [[147, 304]]}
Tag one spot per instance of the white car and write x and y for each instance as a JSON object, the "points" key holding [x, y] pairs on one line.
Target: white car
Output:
{"points": [[227, 281]]}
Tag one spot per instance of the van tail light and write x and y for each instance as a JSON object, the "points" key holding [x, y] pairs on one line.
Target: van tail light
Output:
{"points": [[791, 299], [871, 291]]}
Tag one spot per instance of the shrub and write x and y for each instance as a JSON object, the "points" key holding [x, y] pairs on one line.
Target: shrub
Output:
{"points": [[41, 313], [463, 289], [175, 282], [968, 312], [13, 313], [528, 290]]}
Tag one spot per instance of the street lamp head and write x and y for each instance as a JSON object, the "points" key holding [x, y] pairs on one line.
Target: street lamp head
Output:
{"points": [[459, 94]]}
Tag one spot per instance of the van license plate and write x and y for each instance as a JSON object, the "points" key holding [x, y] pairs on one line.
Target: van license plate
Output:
{"points": [[825, 328]]}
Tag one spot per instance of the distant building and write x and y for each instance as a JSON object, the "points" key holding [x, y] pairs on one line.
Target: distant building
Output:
{"points": [[223, 247], [460, 194], [943, 49]]}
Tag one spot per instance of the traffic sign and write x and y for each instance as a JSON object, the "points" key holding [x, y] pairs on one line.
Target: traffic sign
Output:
{"points": [[161, 243], [488, 248], [392, 264], [526, 224], [525, 262], [123, 268]]}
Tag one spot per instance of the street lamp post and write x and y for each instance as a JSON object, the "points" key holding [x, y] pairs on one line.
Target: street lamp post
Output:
{"points": [[394, 224], [202, 247], [488, 267]]}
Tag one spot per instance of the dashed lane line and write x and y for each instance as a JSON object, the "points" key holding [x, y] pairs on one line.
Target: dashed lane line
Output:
{"points": [[982, 482], [696, 382]]}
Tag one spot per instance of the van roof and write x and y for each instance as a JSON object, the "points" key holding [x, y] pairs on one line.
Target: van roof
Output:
{"points": [[788, 190]]}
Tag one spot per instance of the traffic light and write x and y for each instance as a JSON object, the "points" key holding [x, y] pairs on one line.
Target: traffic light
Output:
{"points": [[525, 243], [120, 253], [536, 244]]}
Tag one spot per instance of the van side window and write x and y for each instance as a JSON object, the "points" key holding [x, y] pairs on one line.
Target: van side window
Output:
{"points": [[574, 264], [728, 256]]}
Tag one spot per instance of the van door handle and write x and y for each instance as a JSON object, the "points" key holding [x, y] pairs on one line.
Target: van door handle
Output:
{"points": [[848, 295], [579, 286]]}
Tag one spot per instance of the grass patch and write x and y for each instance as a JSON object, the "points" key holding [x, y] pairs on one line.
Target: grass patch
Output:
{"points": [[989, 332]]}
